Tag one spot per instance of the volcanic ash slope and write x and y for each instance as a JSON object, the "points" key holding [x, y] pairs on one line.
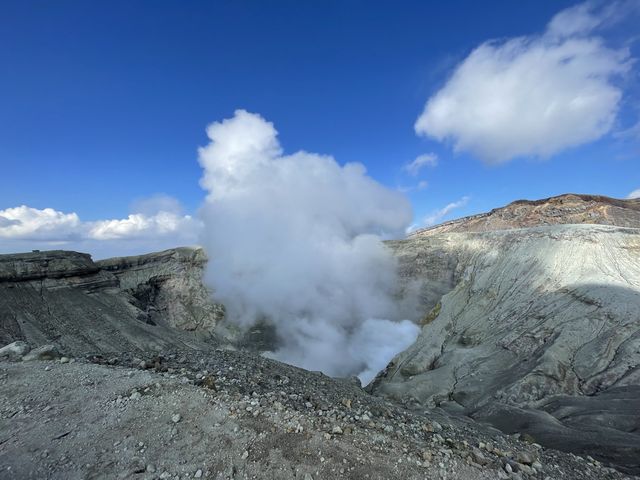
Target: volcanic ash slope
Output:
{"points": [[538, 333]]}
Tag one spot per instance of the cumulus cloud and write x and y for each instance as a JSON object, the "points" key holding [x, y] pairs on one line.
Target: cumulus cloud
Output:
{"points": [[296, 240], [33, 224], [421, 161], [25, 228], [535, 95], [634, 194]]}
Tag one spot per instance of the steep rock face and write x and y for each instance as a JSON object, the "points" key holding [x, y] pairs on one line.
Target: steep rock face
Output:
{"points": [[136, 303], [563, 209], [540, 332], [168, 287]]}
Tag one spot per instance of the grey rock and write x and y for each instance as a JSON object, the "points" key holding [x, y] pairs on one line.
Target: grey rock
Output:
{"points": [[14, 350], [147, 302], [45, 352]]}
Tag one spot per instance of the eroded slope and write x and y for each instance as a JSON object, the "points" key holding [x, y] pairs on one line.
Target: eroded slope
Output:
{"points": [[539, 333]]}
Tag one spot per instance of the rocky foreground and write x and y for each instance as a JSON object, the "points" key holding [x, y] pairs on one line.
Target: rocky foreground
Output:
{"points": [[232, 415]]}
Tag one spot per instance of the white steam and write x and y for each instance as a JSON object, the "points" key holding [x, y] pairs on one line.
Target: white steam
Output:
{"points": [[296, 239]]}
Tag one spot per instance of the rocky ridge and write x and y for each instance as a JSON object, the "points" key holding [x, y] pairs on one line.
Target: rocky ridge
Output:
{"points": [[559, 210]]}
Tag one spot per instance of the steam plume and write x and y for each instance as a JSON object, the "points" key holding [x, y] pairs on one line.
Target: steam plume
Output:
{"points": [[296, 239]]}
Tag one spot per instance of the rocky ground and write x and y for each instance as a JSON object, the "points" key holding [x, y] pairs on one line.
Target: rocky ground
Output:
{"points": [[227, 414]]}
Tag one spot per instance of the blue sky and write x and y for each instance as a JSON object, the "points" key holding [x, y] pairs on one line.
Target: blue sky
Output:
{"points": [[104, 104]]}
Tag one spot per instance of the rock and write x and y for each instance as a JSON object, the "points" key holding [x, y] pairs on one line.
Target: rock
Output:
{"points": [[64, 359], [245, 454], [336, 430], [151, 469], [198, 474], [45, 352], [524, 458], [479, 457], [176, 417], [15, 350]]}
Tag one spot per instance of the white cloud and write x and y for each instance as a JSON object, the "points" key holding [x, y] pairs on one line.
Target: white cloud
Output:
{"points": [[34, 224], [634, 194], [155, 204], [436, 216], [296, 239], [140, 226], [25, 228], [424, 160], [421, 185], [535, 95]]}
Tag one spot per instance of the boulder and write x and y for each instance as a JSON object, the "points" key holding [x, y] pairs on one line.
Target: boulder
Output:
{"points": [[45, 352], [14, 350]]}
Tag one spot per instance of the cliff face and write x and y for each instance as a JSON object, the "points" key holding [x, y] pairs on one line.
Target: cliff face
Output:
{"points": [[148, 302], [167, 287], [563, 209], [537, 331]]}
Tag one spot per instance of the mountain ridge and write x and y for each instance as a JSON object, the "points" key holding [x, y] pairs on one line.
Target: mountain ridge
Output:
{"points": [[568, 208]]}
